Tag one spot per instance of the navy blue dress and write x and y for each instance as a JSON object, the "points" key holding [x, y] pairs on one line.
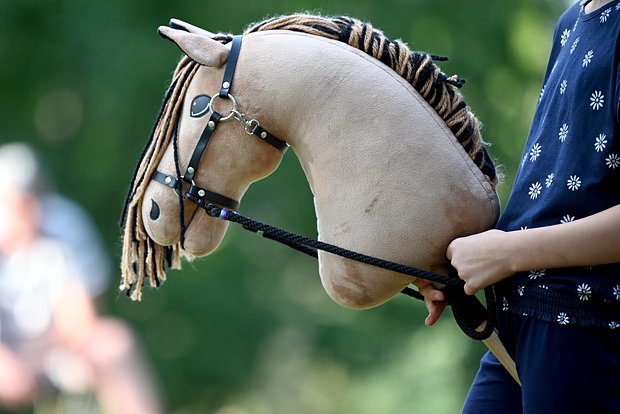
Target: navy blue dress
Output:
{"points": [[571, 169], [561, 326]]}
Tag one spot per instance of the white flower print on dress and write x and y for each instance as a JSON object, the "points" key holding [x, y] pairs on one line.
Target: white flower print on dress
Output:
{"points": [[523, 227], [597, 99], [504, 304], [587, 59], [614, 325], [562, 318], [613, 161], [617, 292], [520, 290], [601, 140], [535, 274], [567, 219], [542, 93], [563, 132], [535, 152], [605, 15], [535, 190], [575, 25], [618, 6], [565, 36], [584, 291], [563, 86], [573, 183], [574, 46], [549, 180]]}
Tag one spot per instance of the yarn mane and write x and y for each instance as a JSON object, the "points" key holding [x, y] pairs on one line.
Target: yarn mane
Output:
{"points": [[143, 258]]}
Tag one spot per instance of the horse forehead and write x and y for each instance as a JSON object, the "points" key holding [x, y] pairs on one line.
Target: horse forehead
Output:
{"points": [[205, 80]]}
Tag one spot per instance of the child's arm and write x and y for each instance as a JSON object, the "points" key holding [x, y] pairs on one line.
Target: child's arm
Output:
{"points": [[486, 258]]}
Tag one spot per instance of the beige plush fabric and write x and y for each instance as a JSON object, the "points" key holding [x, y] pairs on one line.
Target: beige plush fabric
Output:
{"points": [[389, 178]]}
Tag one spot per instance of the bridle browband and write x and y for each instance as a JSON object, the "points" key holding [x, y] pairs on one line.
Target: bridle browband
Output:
{"points": [[468, 312], [251, 126]]}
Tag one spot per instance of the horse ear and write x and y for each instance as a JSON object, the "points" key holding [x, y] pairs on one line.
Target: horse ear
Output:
{"points": [[181, 25], [202, 49]]}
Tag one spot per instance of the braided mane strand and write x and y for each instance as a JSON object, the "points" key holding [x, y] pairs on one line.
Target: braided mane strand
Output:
{"points": [[141, 256]]}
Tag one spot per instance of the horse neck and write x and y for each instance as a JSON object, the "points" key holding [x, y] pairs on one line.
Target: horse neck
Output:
{"points": [[358, 130], [334, 105]]}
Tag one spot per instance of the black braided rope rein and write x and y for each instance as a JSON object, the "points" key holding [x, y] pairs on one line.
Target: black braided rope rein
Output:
{"points": [[468, 312]]}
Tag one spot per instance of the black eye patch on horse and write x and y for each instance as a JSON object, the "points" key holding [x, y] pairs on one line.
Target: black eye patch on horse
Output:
{"points": [[200, 106], [154, 214]]}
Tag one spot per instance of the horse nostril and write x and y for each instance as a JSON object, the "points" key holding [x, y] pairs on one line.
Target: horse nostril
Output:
{"points": [[154, 215]]}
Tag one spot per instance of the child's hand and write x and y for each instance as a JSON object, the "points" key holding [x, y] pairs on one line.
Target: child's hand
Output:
{"points": [[434, 300], [481, 259]]}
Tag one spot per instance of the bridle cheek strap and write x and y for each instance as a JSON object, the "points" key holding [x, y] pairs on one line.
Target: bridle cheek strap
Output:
{"points": [[201, 147], [201, 195], [194, 191], [231, 66]]}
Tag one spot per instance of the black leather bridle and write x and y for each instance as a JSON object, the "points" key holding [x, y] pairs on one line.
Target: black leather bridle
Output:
{"points": [[201, 105]]}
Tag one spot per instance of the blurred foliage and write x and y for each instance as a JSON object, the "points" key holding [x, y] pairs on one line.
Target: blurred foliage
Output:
{"points": [[250, 329]]}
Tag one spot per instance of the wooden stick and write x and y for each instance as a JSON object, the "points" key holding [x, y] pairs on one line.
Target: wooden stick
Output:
{"points": [[500, 352]]}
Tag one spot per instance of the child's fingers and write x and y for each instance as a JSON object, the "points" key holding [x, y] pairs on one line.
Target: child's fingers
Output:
{"points": [[435, 309], [435, 303]]}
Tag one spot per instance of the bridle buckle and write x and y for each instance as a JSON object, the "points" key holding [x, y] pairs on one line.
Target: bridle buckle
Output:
{"points": [[248, 124]]}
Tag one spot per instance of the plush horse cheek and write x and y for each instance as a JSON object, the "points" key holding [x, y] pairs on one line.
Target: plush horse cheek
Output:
{"points": [[204, 234], [160, 213]]}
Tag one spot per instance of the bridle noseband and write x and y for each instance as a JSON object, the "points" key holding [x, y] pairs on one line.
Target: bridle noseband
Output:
{"points": [[197, 194]]}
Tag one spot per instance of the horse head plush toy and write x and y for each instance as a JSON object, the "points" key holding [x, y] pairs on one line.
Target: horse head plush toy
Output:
{"points": [[392, 153]]}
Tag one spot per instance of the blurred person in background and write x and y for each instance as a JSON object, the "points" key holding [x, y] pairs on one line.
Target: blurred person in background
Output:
{"points": [[52, 266]]}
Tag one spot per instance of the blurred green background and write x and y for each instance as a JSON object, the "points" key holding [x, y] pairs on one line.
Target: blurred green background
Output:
{"points": [[250, 329]]}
